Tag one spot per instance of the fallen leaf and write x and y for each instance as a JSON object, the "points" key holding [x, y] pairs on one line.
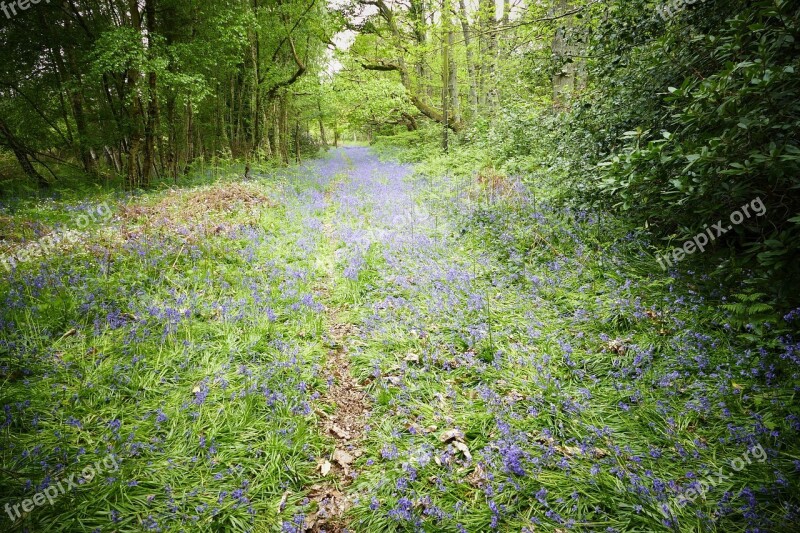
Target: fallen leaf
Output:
{"points": [[541, 439], [343, 458], [339, 432], [463, 449], [569, 450], [282, 503], [514, 396], [450, 434], [599, 453], [322, 413], [325, 467], [412, 358], [617, 346], [413, 429], [478, 476], [70, 333]]}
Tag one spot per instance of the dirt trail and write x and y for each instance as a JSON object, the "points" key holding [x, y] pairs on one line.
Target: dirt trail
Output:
{"points": [[346, 426], [343, 415]]}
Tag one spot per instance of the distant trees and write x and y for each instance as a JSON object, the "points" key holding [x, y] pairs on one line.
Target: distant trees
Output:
{"points": [[460, 61], [142, 88], [672, 122]]}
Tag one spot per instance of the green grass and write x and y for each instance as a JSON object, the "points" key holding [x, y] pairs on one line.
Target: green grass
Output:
{"points": [[517, 352], [162, 309], [587, 388]]}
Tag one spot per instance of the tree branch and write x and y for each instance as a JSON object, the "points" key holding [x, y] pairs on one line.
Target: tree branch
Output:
{"points": [[381, 66]]}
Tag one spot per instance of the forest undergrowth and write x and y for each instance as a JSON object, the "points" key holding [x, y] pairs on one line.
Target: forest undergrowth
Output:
{"points": [[525, 366]]}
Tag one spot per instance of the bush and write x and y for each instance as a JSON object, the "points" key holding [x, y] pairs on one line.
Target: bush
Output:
{"points": [[730, 138]]}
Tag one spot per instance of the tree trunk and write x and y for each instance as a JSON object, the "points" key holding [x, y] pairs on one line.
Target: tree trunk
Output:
{"points": [[152, 103], [297, 143], [76, 102], [276, 129], [452, 78], [283, 128], [445, 76], [256, 51], [400, 66], [565, 77], [488, 39], [113, 160], [75, 94], [189, 137], [321, 126], [418, 15], [133, 175], [269, 152], [471, 73], [21, 153]]}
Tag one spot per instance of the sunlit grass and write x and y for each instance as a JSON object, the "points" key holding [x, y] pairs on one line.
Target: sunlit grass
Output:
{"points": [[187, 346]]}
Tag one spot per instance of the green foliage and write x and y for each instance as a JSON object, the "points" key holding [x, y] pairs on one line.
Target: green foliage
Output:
{"points": [[118, 49], [677, 125], [748, 309], [97, 93], [727, 139]]}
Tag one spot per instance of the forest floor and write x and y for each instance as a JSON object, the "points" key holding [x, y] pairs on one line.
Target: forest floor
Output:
{"points": [[350, 345]]}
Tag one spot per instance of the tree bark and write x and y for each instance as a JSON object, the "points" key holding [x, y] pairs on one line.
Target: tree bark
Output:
{"points": [[471, 73], [298, 160], [491, 61], [283, 127], [321, 126], [418, 15], [152, 103], [135, 115], [565, 78], [256, 52], [488, 28], [452, 78], [21, 153], [276, 129], [71, 72]]}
